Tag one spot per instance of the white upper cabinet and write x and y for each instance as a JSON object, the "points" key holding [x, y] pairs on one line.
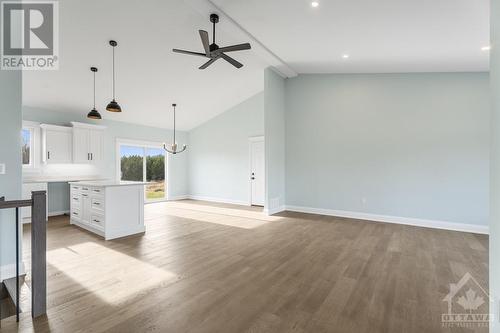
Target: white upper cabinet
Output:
{"points": [[87, 143], [57, 144]]}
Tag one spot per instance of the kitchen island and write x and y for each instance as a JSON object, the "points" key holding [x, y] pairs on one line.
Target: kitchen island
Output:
{"points": [[110, 209]]}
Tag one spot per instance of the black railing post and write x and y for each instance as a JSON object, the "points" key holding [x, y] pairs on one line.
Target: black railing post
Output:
{"points": [[38, 254]]}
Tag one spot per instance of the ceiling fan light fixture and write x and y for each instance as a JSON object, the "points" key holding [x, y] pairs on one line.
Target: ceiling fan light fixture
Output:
{"points": [[113, 106], [212, 51]]}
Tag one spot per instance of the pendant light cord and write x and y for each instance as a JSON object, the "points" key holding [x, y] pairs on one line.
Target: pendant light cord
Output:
{"points": [[174, 124], [114, 73], [94, 90]]}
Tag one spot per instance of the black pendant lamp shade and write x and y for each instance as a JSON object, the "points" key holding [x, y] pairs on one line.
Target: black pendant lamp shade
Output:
{"points": [[113, 106], [94, 114]]}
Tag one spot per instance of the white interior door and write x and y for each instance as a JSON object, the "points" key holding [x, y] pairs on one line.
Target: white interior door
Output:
{"points": [[257, 171]]}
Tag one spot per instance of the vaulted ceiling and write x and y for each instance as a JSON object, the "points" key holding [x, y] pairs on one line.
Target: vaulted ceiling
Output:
{"points": [[377, 36], [150, 77]]}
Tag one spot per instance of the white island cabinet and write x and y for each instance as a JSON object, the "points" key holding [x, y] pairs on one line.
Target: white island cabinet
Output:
{"points": [[108, 208]]}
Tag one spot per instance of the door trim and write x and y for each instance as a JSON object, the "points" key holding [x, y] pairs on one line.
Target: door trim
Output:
{"points": [[251, 140]]}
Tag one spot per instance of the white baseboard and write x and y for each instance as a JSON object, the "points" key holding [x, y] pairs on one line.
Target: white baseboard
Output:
{"points": [[9, 271], [57, 213], [27, 220], [219, 200], [178, 197], [473, 228], [274, 210]]}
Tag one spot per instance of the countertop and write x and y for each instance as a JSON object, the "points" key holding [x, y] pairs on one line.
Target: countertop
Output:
{"points": [[59, 179], [107, 183]]}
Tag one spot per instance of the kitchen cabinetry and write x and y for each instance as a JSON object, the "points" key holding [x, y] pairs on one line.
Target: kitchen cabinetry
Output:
{"points": [[109, 209], [57, 144], [87, 143]]}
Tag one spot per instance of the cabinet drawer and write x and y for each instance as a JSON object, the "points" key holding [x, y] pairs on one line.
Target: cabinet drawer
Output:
{"points": [[75, 188], [76, 215], [97, 221], [76, 199], [97, 203], [97, 190]]}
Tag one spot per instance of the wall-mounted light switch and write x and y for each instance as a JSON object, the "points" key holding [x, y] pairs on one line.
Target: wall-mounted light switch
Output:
{"points": [[2, 168]]}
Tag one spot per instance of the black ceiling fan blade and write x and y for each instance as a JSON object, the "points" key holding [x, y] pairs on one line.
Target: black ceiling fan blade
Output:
{"points": [[231, 61], [208, 63], [205, 42], [189, 52], [232, 48]]}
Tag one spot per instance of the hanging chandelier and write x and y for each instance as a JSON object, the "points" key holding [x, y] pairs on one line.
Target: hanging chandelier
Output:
{"points": [[173, 146]]}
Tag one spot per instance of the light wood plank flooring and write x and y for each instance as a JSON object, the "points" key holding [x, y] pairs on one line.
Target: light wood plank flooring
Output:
{"points": [[203, 267]]}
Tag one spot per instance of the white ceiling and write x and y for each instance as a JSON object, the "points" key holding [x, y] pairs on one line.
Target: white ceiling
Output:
{"points": [[380, 36], [150, 77]]}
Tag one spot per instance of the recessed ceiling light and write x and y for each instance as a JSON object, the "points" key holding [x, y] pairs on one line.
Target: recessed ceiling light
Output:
{"points": [[486, 48], [315, 4], [345, 56]]}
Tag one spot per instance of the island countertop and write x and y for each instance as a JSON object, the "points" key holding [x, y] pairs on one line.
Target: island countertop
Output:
{"points": [[107, 183]]}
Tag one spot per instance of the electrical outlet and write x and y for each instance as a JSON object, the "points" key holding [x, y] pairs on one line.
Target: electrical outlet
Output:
{"points": [[2, 169]]}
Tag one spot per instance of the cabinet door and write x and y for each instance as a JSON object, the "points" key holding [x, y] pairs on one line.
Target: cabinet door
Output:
{"points": [[81, 152], [96, 141], [58, 146], [86, 208]]}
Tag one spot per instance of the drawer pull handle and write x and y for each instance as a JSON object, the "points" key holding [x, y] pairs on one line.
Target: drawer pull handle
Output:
{"points": [[97, 221], [97, 204], [75, 214]]}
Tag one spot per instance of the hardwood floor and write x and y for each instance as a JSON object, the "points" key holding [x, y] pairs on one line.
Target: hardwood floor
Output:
{"points": [[204, 267]]}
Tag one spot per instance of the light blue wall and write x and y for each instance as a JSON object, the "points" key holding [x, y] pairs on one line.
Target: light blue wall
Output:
{"points": [[177, 165], [495, 166], [405, 145], [58, 199], [274, 122], [218, 152], [10, 154]]}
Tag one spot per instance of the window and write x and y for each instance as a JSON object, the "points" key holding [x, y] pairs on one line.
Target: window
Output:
{"points": [[139, 162], [27, 147]]}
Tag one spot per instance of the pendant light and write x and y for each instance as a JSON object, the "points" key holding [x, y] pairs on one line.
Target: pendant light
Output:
{"points": [[94, 114], [113, 106], [173, 146]]}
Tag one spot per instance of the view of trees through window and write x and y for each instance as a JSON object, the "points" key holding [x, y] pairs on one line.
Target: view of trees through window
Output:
{"points": [[145, 164]]}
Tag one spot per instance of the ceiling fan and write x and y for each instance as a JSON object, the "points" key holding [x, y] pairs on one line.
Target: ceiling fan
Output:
{"points": [[213, 51]]}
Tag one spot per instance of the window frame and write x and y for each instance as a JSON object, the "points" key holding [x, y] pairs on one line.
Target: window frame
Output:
{"points": [[144, 145], [34, 129]]}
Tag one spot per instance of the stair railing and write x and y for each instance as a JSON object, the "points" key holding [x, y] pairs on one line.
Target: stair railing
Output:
{"points": [[38, 204]]}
